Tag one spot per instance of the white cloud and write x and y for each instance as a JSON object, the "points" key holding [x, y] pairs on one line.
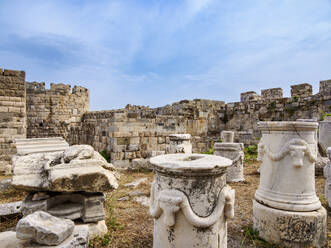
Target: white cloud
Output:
{"points": [[155, 52]]}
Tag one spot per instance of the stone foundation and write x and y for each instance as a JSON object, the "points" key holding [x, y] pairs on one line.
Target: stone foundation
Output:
{"points": [[291, 229]]}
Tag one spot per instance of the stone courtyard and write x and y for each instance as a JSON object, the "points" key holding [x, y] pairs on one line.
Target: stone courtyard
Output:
{"points": [[196, 173]]}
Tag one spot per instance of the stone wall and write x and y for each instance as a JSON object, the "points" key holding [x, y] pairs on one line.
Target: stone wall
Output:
{"points": [[249, 96], [138, 132], [302, 90], [274, 93], [243, 116], [12, 114], [53, 112], [325, 87]]}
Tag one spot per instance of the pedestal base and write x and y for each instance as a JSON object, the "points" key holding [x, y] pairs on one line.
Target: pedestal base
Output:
{"points": [[290, 229]]}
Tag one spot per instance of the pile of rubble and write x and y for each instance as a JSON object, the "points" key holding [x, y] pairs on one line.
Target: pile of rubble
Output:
{"points": [[63, 186]]}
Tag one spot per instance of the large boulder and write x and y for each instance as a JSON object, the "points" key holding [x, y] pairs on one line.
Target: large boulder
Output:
{"points": [[44, 228], [78, 168]]}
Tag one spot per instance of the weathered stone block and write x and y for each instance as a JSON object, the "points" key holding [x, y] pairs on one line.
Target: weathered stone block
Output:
{"points": [[44, 228], [291, 229], [78, 168]]}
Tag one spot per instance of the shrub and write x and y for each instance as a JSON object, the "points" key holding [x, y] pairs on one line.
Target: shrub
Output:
{"points": [[250, 153], [210, 151], [106, 155], [323, 114]]}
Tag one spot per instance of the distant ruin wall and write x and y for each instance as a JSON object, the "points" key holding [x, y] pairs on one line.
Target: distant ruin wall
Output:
{"points": [[243, 116], [12, 114], [53, 112], [138, 132]]}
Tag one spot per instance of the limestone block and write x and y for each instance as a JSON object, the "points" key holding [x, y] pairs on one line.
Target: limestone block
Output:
{"points": [[133, 148], [141, 163], [134, 184], [86, 206], [320, 163], [291, 229], [189, 198], [78, 168], [324, 137], [44, 228], [121, 164], [227, 136], [143, 200], [78, 239], [29, 170], [7, 209], [179, 143], [86, 176], [78, 152], [97, 229], [233, 151], [93, 208], [38, 145], [5, 184]]}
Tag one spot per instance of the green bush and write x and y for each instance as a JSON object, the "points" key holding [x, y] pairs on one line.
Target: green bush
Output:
{"points": [[250, 153], [323, 114], [210, 151], [106, 155]]}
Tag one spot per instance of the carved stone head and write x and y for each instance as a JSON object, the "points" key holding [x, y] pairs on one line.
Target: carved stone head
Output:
{"points": [[297, 153], [328, 151]]}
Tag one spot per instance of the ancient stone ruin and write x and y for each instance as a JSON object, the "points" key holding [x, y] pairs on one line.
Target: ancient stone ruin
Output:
{"points": [[190, 201], [285, 204], [50, 143], [179, 143], [233, 151], [135, 133], [64, 186]]}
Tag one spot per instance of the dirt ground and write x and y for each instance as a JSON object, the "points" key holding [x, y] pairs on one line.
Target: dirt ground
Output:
{"points": [[131, 226]]}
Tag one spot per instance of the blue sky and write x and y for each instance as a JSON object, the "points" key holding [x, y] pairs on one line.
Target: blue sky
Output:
{"points": [[156, 52]]}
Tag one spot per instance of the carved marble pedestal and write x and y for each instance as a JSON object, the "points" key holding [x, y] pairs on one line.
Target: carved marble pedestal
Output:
{"points": [[179, 143], [286, 209], [227, 136], [190, 201], [327, 175], [233, 151]]}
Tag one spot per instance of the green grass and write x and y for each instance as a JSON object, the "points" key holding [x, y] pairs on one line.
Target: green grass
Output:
{"points": [[210, 151], [323, 115], [253, 236], [112, 223], [250, 153]]}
